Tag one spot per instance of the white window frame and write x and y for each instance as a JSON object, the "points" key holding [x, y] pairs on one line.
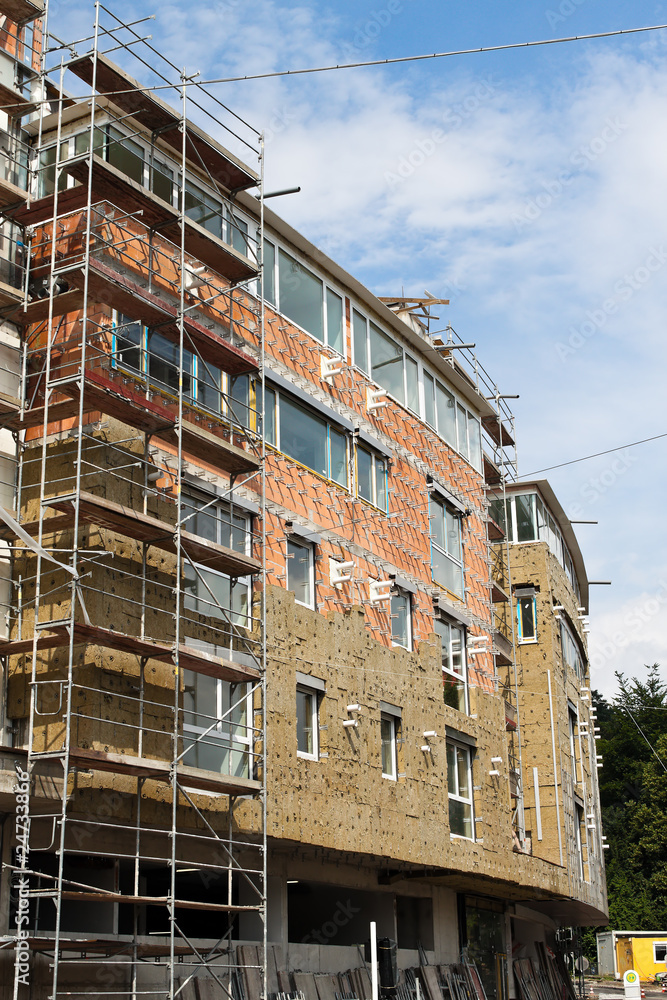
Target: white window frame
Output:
{"points": [[663, 946], [308, 547], [453, 794], [438, 507], [398, 593], [375, 460], [447, 672], [392, 721], [524, 640], [572, 723], [314, 694], [330, 425], [217, 723], [571, 653], [221, 511], [326, 286], [578, 823]]}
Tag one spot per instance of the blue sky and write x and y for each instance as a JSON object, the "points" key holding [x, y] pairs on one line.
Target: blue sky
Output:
{"points": [[527, 186]]}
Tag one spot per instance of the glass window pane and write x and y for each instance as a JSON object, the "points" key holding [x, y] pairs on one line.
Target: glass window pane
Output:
{"points": [[359, 331], [386, 363], [462, 428], [270, 273], [400, 620], [364, 474], [460, 818], [526, 620], [129, 337], [451, 769], [387, 734], [453, 525], [447, 573], [202, 209], [412, 384], [199, 699], [457, 650], [438, 524], [300, 295], [299, 563], [381, 483], [303, 436], [305, 736], [446, 414], [463, 772], [270, 415], [338, 453], [526, 523], [335, 321], [238, 402], [441, 629], [429, 399], [162, 182], [126, 155], [163, 364], [475, 439], [209, 382], [454, 693], [238, 230]]}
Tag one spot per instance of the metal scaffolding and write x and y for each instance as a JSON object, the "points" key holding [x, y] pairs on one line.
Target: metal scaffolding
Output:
{"points": [[137, 622]]}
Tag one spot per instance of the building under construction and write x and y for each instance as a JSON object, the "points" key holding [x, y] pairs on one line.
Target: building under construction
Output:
{"points": [[288, 649]]}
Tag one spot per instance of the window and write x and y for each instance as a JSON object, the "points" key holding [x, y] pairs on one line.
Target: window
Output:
{"points": [[216, 727], [390, 724], [446, 547], [125, 154], [305, 436], [300, 572], [526, 614], [401, 619], [207, 591], [303, 297], [371, 477], [578, 824], [572, 728], [454, 674], [572, 657], [459, 780], [307, 722], [659, 952], [155, 359], [528, 520]]}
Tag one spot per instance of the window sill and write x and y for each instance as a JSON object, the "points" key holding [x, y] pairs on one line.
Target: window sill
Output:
{"points": [[307, 756]]}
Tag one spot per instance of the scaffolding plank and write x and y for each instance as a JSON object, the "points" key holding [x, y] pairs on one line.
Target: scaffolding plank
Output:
{"points": [[34, 417], [160, 770], [14, 103], [38, 309], [106, 284], [133, 408], [144, 528], [186, 904], [11, 194], [112, 185], [501, 435], [188, 657], [103, 946], [156, 114], [10, 295], [22, 10]]}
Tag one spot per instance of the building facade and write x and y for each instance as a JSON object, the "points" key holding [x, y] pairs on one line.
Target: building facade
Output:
{"points": [[271, 671]]}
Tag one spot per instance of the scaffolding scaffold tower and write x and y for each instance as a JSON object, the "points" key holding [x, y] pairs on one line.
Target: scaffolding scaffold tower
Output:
{"points": [[136, 653]]}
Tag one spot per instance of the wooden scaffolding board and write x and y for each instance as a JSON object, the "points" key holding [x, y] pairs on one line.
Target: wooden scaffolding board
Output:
{"points": [[161, 770], [127, 94]]}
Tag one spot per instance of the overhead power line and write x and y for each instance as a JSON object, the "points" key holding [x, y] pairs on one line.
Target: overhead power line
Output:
{"points": [[386, 62], [609, 451], [646, 739]]}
